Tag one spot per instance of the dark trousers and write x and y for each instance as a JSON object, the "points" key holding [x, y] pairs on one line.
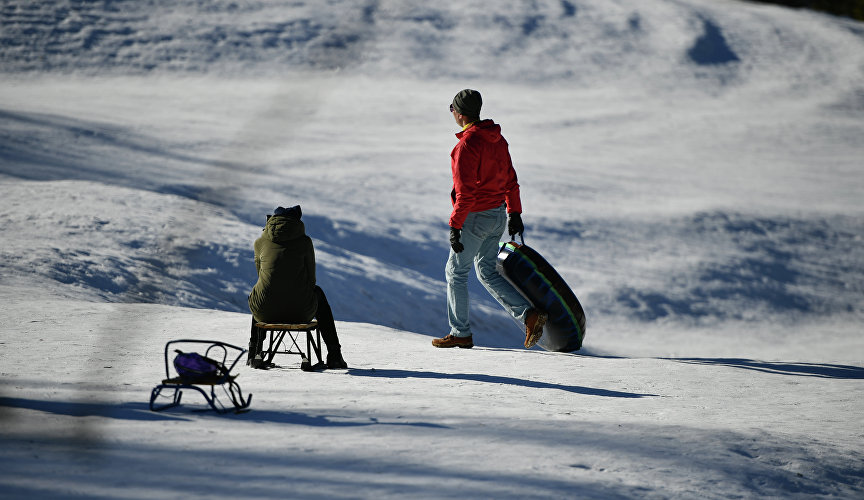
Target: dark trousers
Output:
{"points": [[326, 324]]}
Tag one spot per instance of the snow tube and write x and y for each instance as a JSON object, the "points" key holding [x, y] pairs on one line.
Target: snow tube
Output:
{"points": [[538, 282]]}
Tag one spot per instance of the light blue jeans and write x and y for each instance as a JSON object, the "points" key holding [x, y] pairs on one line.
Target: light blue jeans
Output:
{"points": [[481, 234]]}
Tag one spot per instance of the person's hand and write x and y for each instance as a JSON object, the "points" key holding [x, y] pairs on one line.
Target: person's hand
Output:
{"points": [[455, 244], [514, 224]]}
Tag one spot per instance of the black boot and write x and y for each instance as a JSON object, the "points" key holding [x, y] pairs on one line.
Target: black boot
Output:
{"points": [[335, 361], [256, 345], [327, 327], [253, 344]]}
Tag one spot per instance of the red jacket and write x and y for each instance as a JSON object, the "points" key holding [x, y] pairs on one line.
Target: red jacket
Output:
{"points": [[483, 174]]}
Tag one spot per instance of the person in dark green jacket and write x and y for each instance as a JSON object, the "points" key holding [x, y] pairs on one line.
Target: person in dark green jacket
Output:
{"points": [[286, 291]]}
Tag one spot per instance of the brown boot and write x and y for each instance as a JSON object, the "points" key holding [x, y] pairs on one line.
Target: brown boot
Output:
{"points": [[451, 341], [534, 322]]}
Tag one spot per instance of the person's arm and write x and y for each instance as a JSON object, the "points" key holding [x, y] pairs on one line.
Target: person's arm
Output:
{"points": [[257, 258], [466, 162]]}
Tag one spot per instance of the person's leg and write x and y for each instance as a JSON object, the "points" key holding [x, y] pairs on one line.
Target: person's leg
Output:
{"points": [[327, 325], [506, 294], [256, 343], [457, 269], [486, 264]]}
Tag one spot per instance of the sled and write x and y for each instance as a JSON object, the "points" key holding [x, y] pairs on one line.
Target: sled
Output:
{"points": [[214, 388], [547, 291]]}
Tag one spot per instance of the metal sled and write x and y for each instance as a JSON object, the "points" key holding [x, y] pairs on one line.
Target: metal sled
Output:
{"points": [[208, 387]]}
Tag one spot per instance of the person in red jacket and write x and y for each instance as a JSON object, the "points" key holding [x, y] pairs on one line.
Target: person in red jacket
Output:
{"points": [[485, 198]]}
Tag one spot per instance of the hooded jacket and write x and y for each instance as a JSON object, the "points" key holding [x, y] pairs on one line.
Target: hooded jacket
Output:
{"points": [[483, 174], [285, 260]]}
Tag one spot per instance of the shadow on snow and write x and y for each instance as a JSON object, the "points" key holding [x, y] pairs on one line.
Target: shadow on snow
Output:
{"points": [[122, 411], [819, 370], [495, 379], [141, 411]]}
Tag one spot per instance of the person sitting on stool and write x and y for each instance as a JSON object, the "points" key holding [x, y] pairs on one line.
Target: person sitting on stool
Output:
{"points": [[286, 291]]}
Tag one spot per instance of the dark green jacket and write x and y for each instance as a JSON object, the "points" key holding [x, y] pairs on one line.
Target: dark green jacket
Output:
{"points": [[285, 260]]}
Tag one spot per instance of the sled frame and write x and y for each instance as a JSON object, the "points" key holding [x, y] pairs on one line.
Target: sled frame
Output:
{"points": [[224, 385]]}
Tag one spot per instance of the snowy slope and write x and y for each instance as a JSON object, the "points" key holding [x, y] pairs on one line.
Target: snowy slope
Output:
{"points": [[410, 421], [691, 167]]}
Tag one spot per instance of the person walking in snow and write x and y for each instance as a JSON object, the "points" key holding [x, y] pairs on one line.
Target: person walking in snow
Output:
{"points": [[485, 197], [286, 291]]}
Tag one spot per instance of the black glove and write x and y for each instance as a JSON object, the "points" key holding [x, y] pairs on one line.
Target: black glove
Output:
{"points": [[455, 234], [514, 224]]}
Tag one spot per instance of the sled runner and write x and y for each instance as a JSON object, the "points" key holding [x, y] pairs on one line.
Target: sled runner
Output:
{"points": [[277, 339], [538, 282], [205, 373]]}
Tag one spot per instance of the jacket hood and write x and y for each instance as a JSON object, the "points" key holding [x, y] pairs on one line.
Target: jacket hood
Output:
{"points": [[280, 228], [487, 129]]}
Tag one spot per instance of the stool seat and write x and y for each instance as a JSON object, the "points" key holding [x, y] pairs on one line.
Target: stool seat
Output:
{"points": [[276, 333], [288, 326]]}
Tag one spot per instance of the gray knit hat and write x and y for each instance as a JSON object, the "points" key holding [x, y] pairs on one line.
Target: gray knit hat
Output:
{"points": [[468, 103]]}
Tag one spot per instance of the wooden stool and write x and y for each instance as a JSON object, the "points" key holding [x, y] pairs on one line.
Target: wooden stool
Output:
{"points": [[276, 333]]}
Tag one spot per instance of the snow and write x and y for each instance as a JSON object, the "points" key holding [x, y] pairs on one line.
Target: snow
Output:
{"points": [[692, 168]]}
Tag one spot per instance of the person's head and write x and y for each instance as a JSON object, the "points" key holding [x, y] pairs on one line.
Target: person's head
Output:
{"points": [[290, 212], [466, 106]]}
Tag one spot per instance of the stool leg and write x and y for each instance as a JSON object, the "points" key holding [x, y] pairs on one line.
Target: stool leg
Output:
{"points": [[273, 346], [313, 344]]}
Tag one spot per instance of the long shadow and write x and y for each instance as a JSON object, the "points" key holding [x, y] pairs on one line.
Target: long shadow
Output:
{"points": [[294, 418], [582, 353], [819, 370], [122, 411], [495, 379], [141, 411]]}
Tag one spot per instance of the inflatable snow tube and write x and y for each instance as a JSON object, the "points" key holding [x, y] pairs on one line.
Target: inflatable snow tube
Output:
{"points": [[538, 282]]}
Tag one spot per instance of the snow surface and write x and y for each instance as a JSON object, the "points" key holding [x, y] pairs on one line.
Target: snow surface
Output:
{"points": [[692, 168]]}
